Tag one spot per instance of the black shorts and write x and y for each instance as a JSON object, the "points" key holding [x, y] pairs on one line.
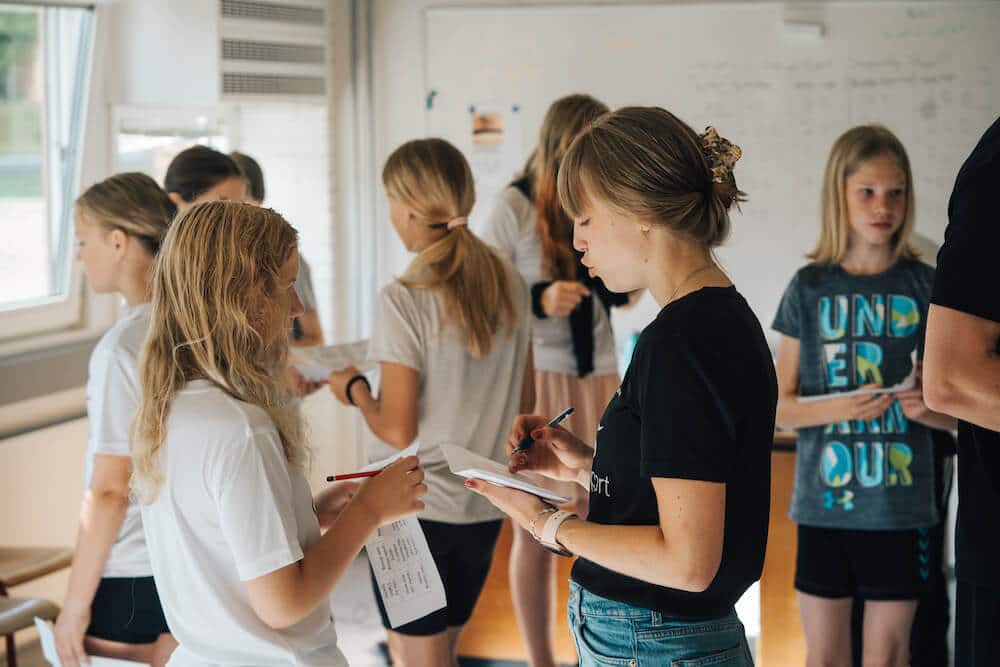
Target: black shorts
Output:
{"points": [[463, 554], [872, 564], [127, 610]]}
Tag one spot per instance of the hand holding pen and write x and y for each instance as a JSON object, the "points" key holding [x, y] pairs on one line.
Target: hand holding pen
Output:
{"points": [[526, 441], [551, 451]]}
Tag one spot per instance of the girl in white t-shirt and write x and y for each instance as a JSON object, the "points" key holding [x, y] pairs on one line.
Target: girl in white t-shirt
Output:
{"points": [[452, 341], [233, 537], [112, 607]]}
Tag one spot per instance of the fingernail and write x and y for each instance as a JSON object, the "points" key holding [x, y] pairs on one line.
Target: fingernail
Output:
{"points": [[469, 484], [536, 434]]}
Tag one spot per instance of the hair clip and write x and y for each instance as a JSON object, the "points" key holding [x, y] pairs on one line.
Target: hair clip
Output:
{"points": [[721, 153]]}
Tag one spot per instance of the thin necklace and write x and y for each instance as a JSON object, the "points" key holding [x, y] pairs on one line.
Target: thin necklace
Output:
{"points": [[687, 278]]}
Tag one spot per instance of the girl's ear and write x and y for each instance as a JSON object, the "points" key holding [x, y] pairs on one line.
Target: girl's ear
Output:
{"points": [[176, 198], [118, 241]]}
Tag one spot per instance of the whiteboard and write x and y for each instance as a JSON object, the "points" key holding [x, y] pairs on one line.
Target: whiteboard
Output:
{"points": [[927, 70]]}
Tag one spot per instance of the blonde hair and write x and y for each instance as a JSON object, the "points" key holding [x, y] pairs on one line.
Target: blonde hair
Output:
{"points": [[851, 150], [213, 282], [131, 202], [649, 164], [565, 119], [432, 177]]}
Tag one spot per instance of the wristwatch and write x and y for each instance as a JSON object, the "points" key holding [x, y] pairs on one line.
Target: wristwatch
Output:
{"points": [[549, 529]]}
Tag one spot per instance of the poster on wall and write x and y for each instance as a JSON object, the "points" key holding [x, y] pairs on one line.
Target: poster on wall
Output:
{"points": [[496, 151]]}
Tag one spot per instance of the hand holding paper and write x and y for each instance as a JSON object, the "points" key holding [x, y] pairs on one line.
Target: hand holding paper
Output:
{"points": [[321, 361], [466, 464], [48, 641]]}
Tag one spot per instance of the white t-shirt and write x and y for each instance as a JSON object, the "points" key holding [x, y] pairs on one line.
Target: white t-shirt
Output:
{"points": [[113, 395], [464, 401], [230, 509], [511, 228]]}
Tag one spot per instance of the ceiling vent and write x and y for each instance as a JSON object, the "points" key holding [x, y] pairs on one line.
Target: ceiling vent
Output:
{"points": [[273, 50]]}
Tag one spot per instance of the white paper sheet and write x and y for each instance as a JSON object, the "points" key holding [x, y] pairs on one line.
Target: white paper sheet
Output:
{"points": [[408, 579], [412, 450], [319, 362], [467, 464], [909, 382], [48, 641]]}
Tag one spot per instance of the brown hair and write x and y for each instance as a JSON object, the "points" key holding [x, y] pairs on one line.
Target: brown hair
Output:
{"points": [[433, 178], [565, 119], [215, 276], [852, 149], [650, 164], [131, 202]]}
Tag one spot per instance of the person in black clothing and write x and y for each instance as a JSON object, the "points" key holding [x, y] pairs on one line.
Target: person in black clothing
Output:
{"points": [[679, 479], [961, 371]]}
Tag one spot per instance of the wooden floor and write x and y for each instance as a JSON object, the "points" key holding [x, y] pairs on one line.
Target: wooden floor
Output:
{"points": [[781, 639], [492, 631]]}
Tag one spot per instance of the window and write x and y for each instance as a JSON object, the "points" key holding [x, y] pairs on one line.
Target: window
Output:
{"points": [[148, 139], [44, 65]]}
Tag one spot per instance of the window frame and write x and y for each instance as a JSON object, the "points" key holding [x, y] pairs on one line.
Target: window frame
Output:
{"points": [[66, 311]]}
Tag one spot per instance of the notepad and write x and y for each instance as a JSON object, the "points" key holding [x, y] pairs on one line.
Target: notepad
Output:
{"points": [[48, 641], [466, 464]]}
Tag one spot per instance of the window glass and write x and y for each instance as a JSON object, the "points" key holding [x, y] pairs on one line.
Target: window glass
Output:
{"points": [[44, 63]]}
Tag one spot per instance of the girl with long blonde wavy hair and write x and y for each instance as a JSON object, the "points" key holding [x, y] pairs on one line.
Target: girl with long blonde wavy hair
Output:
{"points": [[218, 454], [112, 607], [452, 342]]}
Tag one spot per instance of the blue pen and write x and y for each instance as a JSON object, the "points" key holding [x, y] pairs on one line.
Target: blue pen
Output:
{"points": [[527, 440]]}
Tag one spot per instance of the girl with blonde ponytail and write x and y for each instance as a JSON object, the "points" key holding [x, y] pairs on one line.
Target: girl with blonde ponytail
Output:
{"points": [[453, 348], [234, 541], [112, 607]]}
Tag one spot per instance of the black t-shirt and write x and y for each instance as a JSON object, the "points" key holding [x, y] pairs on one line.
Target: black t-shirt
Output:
{"points": [[968, 280], [698, 403]]}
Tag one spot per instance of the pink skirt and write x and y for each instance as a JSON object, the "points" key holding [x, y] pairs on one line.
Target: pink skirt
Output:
{"points": [[554, 392]]}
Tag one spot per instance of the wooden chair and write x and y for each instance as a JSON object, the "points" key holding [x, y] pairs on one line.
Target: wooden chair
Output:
{"points": [[19, 565], [18, 614]]}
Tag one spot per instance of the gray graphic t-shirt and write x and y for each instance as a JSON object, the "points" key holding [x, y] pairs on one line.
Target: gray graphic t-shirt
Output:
{"points": [[854, 330]]}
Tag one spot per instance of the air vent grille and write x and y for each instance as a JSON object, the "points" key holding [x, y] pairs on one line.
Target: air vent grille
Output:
{"points": [[272, 52], [271, 11], [267, 84]]}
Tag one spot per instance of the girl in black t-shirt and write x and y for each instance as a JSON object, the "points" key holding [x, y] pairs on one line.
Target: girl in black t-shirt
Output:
{"points": [[679, 479]]}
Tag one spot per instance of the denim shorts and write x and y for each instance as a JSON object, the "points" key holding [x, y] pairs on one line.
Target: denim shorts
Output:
{"points": [[615, 633]]}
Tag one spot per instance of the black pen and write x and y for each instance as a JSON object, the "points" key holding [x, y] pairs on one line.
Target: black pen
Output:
{"points": [[527, 440]]}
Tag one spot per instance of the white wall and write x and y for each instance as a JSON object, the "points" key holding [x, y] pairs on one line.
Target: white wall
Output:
{"points": [[165, 52], [761, 257]]}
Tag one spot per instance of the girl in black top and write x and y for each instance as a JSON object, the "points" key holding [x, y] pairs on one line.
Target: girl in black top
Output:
{"points": [[679, 479]]}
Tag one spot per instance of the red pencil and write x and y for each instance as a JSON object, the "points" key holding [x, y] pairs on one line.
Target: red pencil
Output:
{"points": [[352, 475]]}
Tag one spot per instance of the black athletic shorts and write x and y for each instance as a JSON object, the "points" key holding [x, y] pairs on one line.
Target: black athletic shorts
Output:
{"points": [[463, 554], [872, 564], [127, 610]]}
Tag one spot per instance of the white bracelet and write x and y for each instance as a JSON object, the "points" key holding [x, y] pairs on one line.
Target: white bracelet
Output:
{"points": [[549, 530], [531, 524]]}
